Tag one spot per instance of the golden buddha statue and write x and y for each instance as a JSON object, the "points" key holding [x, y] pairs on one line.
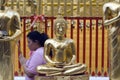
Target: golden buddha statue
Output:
{"points": [[9, 34], [111, 17], [60, 53]]}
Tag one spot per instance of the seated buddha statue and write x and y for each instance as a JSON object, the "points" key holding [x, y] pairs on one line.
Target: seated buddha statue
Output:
{"points": [[59, 53]]}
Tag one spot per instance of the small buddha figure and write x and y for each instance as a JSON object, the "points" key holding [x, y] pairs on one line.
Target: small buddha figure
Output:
{"points": [[9, 35], [111, 17], [60, 53]]}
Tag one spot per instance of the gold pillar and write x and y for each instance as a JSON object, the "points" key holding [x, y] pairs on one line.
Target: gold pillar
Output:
{"points": [[52, 8], [91, 8], [78, 7], [39, 8], [12, 6], [45, 7], [72, 7], [65, 7], [24, 7]]}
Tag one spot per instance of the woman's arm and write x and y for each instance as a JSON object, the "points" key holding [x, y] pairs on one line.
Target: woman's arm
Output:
{"points": [[23, 64], [37, 59], [27, 72], [22, 59]]}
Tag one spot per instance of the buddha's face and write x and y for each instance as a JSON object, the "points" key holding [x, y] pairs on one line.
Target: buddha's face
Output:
{"points": [[60, 29]]}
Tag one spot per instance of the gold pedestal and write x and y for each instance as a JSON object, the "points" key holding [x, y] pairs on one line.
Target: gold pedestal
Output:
{"points": [[77, 77]]}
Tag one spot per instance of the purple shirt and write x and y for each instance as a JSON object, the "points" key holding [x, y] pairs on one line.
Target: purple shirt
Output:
{"points": [[36, 59]]}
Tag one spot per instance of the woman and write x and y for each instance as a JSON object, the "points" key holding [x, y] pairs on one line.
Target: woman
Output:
{"points": [[36, 46]]}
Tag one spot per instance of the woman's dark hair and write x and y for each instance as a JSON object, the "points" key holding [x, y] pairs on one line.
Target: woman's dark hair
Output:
{"points": [[36, 36]]}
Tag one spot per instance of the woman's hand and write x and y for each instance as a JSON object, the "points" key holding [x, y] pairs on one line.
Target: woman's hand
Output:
{"points": [[22, 59]]}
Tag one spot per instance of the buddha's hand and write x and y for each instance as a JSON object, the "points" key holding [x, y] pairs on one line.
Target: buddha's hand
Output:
{"points": [[8, 38], [59, 64], [72, 60], [4, 38]]}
